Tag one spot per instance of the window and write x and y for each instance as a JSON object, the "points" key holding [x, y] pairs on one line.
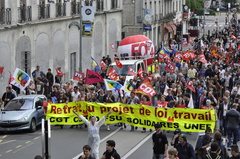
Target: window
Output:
{"points": [[114, 4], [26, 61], [99, 5], [72, 63], [88, 2]]}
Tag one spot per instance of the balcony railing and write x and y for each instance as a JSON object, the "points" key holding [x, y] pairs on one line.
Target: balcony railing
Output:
{"points": [[99, 5], [43, 11], [60, 9], [75, 7], [5, 16], [24, 14]]}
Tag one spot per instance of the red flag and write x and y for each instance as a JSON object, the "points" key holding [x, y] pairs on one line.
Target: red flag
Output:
{"points": [[131, 71], [190, 86], [233, 37], [11, 78], [146, 88], [187, 55], [213, 50], [202, 58], [227, 57], [59, 73], [112, 47], [140, 73], [78, 76], [178, 57], [103, 65], [118, 63], [93, 77], [170, 67], [193, 56], [1, 70], [191, 40], [112, 74]]}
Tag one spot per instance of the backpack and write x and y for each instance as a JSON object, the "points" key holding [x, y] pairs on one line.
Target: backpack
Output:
{"points": [[208, 156]]}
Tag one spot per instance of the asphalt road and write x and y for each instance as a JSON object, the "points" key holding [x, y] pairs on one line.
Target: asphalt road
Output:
{"points": [[67, 143]]}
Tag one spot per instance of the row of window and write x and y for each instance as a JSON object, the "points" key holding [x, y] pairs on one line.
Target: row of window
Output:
{"points": [[25, 12]]}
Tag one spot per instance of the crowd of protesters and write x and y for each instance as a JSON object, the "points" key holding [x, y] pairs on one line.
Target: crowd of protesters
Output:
{"points": [[216, 83]]}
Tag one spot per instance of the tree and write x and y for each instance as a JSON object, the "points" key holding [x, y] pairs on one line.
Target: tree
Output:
{"points": [[195, 5]]}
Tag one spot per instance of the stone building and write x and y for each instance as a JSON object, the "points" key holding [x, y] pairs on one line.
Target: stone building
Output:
{"points": [[46, 33], [165, 16]]}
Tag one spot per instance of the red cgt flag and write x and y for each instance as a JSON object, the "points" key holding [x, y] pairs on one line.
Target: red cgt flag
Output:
{"points": [[78, 76], [146, 88], [178, 57], [189, 85], [170, 67], [131, 71], [112, 74], [1, 70], [202, 58], [140, 73], [187, 55], [93, 77], [59, 73], [103, 65], [118, 63]]}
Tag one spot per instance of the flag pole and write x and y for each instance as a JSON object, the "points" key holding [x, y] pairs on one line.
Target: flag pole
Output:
{"points": [[80, 38]]}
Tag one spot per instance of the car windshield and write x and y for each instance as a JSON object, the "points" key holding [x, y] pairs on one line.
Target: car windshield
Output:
{"points": [[19, 104], [124, 70]]}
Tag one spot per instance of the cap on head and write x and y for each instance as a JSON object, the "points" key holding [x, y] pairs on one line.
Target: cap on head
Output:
{"points": [[177, 131], [183, 136]]}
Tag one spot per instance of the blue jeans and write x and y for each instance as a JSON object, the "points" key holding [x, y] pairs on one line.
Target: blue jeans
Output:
{"points": [[230, 132], [158, 156]]}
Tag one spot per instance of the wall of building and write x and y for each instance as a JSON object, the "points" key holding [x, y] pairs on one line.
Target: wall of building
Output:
{"points": [[51, 42]]}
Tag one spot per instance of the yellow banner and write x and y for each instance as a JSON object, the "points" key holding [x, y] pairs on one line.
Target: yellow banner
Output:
{"points": [[192, 120]]}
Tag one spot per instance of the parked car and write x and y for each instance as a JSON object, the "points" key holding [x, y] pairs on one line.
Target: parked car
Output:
{"points": [[23, 112]]}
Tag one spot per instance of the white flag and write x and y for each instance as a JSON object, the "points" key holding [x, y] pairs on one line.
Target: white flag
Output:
{"points": [[21, 79], [190, 104], [166, 90]]}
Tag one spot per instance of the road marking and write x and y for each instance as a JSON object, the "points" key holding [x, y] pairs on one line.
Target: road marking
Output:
{"points": [[19, 146], [7, 142], [0, 140], [8, 151], [4, 136], [113, 133], [36, 138], [137, 146], [27, 142]]}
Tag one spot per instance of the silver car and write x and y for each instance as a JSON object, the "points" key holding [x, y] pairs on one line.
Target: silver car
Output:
{"points": [[23, 112]]}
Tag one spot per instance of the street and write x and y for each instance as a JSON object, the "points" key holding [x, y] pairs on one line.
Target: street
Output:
{"points": [[67, 143]]}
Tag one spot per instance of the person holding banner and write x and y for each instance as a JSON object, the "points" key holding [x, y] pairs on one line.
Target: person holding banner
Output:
{"points": [[93, 132]]}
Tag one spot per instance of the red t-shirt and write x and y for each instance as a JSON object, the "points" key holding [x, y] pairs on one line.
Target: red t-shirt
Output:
{"points": [[148, 103], [181, 106], [161, 104]]}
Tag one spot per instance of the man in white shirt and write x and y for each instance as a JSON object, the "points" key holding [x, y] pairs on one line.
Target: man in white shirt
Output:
{"points": [[75, 94]]}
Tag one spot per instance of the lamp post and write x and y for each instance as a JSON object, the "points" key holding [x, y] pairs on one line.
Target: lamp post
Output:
{"points": [[80, 38], [204, 19]]}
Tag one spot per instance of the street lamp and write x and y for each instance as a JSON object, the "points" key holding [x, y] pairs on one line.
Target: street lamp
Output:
{"points": [[80, 38]]}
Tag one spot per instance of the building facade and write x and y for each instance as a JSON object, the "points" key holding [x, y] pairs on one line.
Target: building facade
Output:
{"points": [[165, 16], [47, 33]]}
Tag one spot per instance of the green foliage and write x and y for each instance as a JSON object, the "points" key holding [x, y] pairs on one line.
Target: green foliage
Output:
{"points": [[195, 5], [212, 12]]}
